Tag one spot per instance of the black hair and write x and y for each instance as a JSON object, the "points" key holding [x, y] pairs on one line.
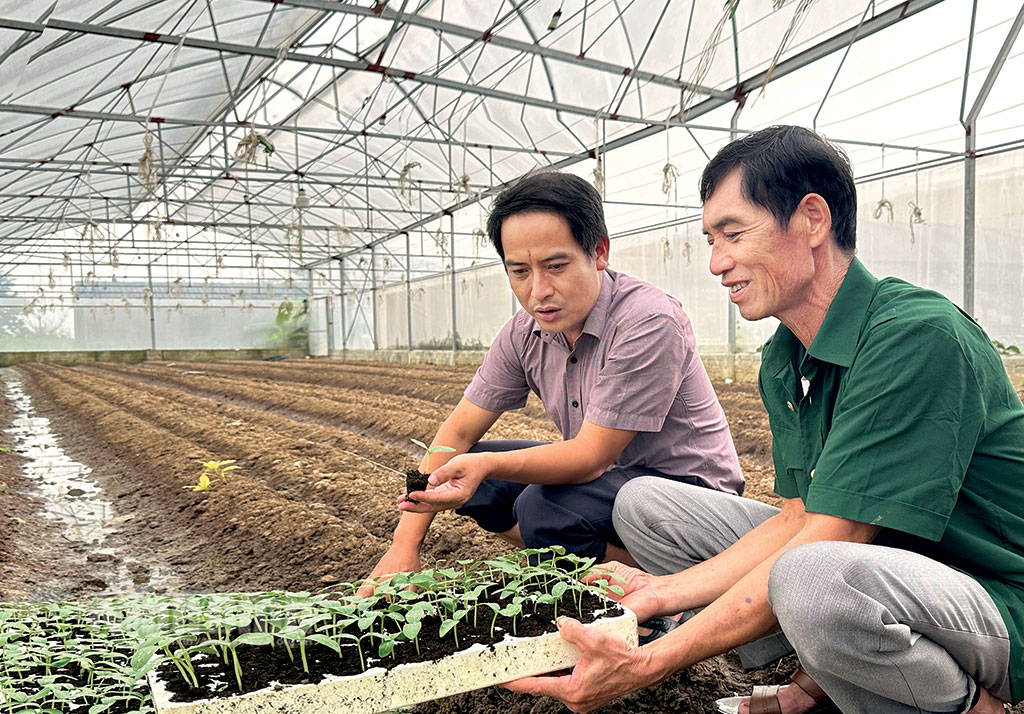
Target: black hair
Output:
{"points": [[782, 164], [566, 195]]}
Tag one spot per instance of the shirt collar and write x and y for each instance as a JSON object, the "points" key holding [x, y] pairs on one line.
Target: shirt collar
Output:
{"points": [[836, 341], [598, 317], [837, 338]]}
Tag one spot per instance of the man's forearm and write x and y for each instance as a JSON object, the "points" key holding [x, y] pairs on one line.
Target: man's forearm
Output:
{"points": [[411, 530], [705, 582], [561, 462], [742, 613]]}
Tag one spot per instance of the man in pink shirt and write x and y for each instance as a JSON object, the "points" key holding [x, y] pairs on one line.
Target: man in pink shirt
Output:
{"points": [[612, 359]]}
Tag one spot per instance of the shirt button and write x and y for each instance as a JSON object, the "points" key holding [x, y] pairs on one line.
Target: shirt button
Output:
{"points": [[790, 405], [575, 403], [573, 359], [812, 473]]}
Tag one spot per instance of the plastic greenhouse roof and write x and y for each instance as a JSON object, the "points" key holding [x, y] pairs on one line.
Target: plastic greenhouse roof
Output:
{"points": [[387, 117]]}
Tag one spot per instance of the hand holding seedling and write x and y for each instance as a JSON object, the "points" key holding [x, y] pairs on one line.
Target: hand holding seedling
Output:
{"points": [[608, 668], [633, 588], [451, 485]]}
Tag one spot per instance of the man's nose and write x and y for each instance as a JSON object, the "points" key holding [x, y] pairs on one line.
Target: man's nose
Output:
{"points": [[720, 260], [541, 286]]}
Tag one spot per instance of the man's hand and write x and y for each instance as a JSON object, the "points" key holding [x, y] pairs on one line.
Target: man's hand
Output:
{"points": [[644, 592], [395, 560], [452, 485], [608, 668]]}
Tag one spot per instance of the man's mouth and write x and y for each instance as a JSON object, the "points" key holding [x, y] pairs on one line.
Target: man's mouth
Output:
{"points": [[547, 312], [738, 286]]}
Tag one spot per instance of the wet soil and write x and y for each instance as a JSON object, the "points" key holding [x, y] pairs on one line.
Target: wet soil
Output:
{"points": [[322, 449]]}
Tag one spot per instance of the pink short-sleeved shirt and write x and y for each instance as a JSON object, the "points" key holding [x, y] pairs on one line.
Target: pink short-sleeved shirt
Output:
{"points": [[634, 367]]}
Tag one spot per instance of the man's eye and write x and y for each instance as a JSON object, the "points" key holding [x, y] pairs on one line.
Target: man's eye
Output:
{"points": [[731, 236], [556, 266], [519, 272]]}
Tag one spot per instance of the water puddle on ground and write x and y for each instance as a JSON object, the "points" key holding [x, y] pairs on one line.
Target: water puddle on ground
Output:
{"points": [[70, 497]]}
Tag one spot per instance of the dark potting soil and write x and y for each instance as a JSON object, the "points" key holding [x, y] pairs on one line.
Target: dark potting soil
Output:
{"points": [[78, 679], [264, 666], [415, 481]]}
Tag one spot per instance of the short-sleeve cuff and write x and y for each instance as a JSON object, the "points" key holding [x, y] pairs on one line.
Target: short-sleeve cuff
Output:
{"points": [[626, 422], [863, 508], [495, 399], [786, 487]]}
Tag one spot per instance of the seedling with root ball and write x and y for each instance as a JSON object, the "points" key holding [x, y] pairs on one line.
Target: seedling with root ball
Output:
{"points": [[417, 481]]}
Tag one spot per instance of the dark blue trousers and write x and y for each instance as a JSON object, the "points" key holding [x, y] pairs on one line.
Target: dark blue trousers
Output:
{"points": [[578, 516]]}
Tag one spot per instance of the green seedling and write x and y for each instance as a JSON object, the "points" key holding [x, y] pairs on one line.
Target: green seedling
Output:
{"points": [[432, 450], [113, 643], [218, 469]]}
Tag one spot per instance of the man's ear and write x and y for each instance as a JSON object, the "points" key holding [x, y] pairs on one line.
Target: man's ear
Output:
{"points": [[816, 217], [601, 253]]}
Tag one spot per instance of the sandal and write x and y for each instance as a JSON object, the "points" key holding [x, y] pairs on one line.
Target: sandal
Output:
{"points": [[765, 699], [658, 626]]}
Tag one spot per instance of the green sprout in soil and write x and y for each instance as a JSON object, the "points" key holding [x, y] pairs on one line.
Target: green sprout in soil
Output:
{"points": [[212, 470], [432, 450], [93, 658]]}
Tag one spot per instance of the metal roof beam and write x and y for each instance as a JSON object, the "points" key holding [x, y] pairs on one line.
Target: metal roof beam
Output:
{"points": [[837, 42], [489, 37], [173, 222], [75, 113], [271, 53]]}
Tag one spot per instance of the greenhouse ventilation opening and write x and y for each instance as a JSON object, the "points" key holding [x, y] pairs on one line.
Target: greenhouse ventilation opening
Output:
{"points": [[180, 174]]}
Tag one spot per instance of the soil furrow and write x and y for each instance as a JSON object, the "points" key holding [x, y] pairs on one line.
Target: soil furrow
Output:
{"points": [[230, 537], [386, 417], [317, 466]]}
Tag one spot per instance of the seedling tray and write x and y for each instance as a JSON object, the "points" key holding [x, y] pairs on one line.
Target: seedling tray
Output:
{"points": [[378, 689]]}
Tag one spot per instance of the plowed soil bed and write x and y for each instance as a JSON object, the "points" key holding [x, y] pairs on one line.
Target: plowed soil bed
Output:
{"points": [[313, 500]]}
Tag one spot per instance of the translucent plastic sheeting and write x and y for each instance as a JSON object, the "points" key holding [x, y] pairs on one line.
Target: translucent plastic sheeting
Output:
{"points": [[93, 325], [909, 226]]}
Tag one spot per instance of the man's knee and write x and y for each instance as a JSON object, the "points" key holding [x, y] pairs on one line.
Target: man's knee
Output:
{"points": [[546, 518], [632, 503], [809, 589]]}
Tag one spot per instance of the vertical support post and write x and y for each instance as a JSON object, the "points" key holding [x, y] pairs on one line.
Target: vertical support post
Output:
{"points": [[373, 294], [344, 330], [408, 292], [970, 182], [455, 323], [329, 321], [970, 124], [732, 317], [152, 307]]}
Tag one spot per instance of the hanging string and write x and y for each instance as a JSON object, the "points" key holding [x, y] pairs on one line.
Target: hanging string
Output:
{"points": [[707, 55], [798, 17], [884, 205], [598, 157], [669, 172], [916, 214], [147, 170]]}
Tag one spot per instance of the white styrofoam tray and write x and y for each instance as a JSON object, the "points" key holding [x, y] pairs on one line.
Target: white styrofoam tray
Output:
{"points": [[378, 689]]}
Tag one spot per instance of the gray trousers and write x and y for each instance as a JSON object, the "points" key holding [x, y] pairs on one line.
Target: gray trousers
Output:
{"points": [[881, 630]]}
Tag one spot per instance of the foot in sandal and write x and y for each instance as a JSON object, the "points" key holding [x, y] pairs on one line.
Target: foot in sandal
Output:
{"points": [[801, 697]]}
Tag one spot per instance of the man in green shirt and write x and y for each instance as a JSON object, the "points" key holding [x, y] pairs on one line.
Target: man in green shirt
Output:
{"points": [[895, 566]]}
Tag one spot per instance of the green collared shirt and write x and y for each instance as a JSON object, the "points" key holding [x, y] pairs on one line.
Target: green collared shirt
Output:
{"points": [[900, 414]]}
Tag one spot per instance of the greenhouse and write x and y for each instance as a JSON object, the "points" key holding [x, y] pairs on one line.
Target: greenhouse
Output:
{"points": [[245, 263]]}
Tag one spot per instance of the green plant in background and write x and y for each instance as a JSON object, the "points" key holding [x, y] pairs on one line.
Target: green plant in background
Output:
{"points": [[291, 326], [432, 450], [1005, 349], [445, 343]]}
